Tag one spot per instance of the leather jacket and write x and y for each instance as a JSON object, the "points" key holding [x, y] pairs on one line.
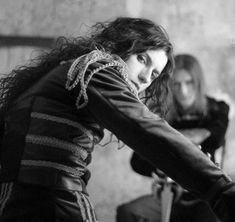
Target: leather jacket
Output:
{"points": [[48, 140]]}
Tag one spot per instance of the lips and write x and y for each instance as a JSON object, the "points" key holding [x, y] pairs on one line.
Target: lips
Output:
{"points": [[136, 85]]}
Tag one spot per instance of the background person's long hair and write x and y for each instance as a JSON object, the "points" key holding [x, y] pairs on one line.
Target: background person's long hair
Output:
{"points": [[190, 64], [123, 36]]}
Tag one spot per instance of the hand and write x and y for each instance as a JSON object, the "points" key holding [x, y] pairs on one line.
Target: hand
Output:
{"points": [[177, 190], [160, 182], [157, 185]]}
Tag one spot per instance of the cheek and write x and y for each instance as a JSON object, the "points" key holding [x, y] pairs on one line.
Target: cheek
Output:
{"points": [[178, 97], [176, 91], [192, 91], [144, 87], [147, 85], [132, 73]]}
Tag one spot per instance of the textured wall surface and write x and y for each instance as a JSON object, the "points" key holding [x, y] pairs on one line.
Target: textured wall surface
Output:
{"points": [[204, 28]]}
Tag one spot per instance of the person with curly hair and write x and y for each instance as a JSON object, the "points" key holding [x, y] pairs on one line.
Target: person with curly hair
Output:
{"points": [[55, 111]]}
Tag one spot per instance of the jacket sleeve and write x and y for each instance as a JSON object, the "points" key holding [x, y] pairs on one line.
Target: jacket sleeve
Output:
{"points": [[115, 107], [217, 125], [141, 166]]}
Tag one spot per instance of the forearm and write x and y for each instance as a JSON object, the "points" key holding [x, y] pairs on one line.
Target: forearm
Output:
{"points": [[217, 124]]}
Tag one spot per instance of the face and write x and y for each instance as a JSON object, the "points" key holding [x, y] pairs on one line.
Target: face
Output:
{"points": [[145, 67], [183, 88]]}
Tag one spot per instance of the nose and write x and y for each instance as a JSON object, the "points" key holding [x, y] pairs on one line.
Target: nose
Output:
{"points": [[145, 77], [184, 89]]}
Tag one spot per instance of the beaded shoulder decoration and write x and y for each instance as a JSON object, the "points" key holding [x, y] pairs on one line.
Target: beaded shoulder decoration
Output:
{"points": [[76, 74]]}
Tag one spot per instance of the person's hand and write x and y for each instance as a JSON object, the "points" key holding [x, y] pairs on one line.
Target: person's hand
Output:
{"points": [[157, 185], [159, 182], [177, 191]]}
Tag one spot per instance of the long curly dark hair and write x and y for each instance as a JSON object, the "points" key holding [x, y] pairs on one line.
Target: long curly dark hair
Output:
{"points": [[124, 36]]}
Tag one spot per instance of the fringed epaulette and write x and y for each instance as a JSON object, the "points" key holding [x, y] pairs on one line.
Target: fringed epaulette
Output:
{"points": [[76, 74]]}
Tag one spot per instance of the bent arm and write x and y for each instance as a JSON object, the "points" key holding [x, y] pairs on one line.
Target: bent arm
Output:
{"points": [[217, 125], [117, 109]]}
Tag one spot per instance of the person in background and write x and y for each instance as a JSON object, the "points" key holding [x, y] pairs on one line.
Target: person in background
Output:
{"points": [[55, 111], [204, 121]]}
